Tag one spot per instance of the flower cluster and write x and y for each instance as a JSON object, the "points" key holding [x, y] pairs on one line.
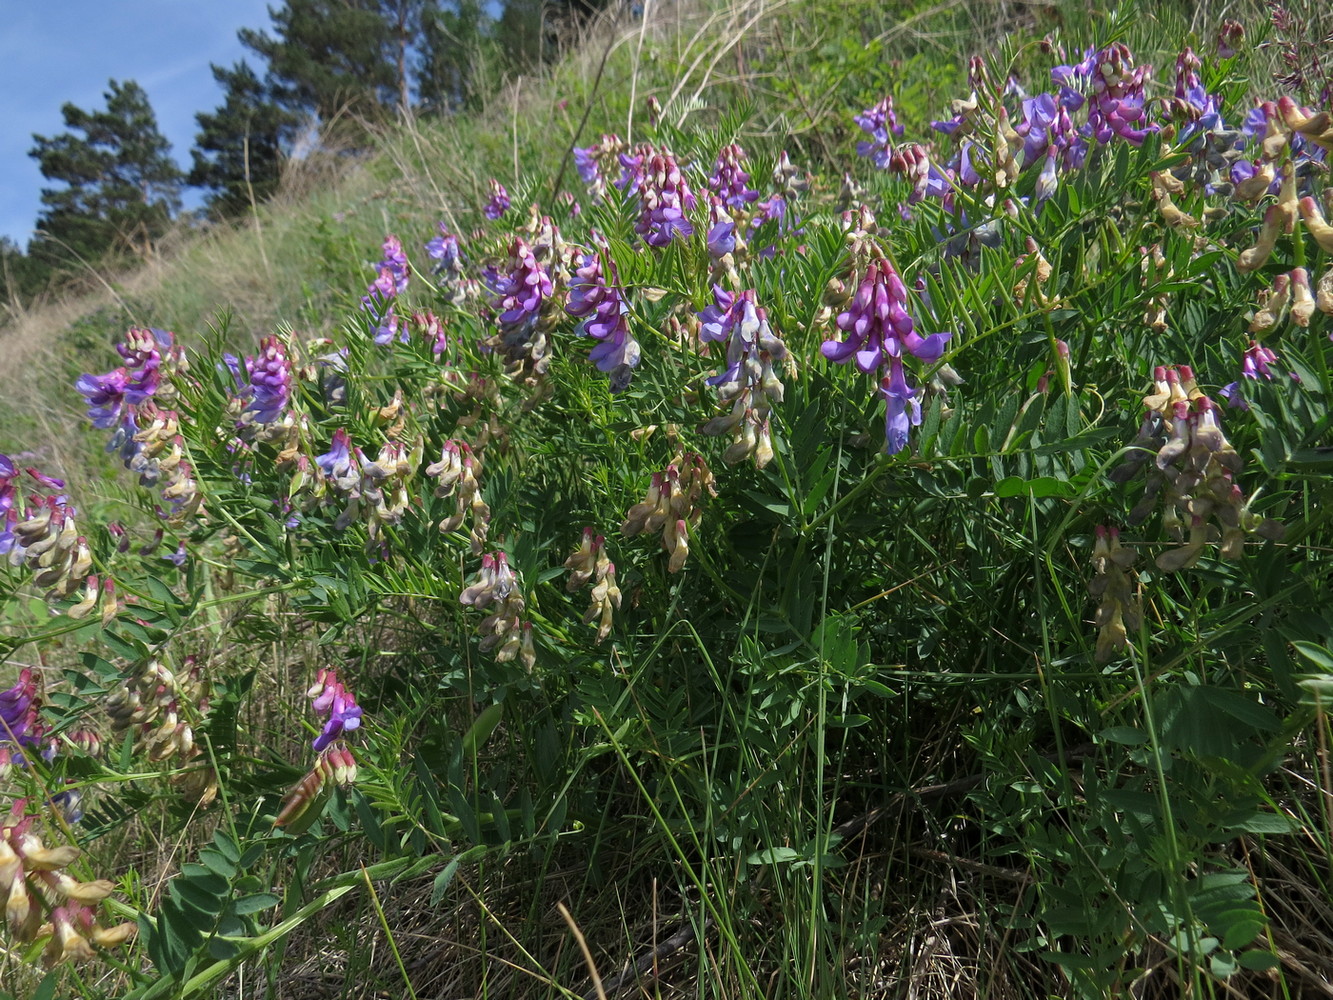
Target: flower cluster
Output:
{"points": [[432, 330], [730, 181], [448, 257], [1193, 475], [877, 330], [1290, 295], [43, 536], [375, 492], [526, 312], [496, 589], [32, 876], [1116, 104], [599, 301], [589, 562], [881, 124], [20, 724], [671, 506], [149, 701], [268, 392], [391, 277], [457, 472], [498, 203], [132, 400], [748, 381], [663, 194], [329, 696], [335, 764], [596, 162], [1118, 609]]}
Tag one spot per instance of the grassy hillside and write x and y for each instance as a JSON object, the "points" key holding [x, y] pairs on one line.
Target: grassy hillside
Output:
{"points": [[975, 661]]}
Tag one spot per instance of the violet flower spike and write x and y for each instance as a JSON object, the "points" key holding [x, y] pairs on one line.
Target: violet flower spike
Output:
{"points": [[601, 304], [329, 695], [902, 408], [876, 325], [499, 202], [270, 388]]}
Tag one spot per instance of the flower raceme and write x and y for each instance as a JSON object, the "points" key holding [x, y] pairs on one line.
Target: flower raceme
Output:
{"points": [[589, 562], [1118, 610], [456, 473], [876, 325], [524, 306], [330, 697], [597, 298], [335, 764], [498, 204], [132, 401], [497, 590], [877, 331], [673, 504], [748, 381], [32, 877], [1193, 474]]}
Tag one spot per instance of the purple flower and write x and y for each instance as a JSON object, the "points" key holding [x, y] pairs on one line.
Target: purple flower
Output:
{"points": [[270, 388], [388, 327], [19, 723], [881, 124], [877, 325], [395, 262], [105, 394], [1256, 361], [730, 181], [340, 463], [664, 197], [902, 408], [443, 248], [737, 320], [721, 231], [499, 203], [330, 696], [519, 294], [600, 303]]}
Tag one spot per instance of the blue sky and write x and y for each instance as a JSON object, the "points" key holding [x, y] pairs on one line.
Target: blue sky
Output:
{"points": [[67, 50]]}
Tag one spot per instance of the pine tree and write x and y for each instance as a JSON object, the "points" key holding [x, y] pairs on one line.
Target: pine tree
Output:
{"points": [[328, 59], [459, 57], [120, 185], [238, 150], [22, 277]]}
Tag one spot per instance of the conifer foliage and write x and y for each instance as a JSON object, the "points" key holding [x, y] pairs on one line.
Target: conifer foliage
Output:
{"points": [[119, 186]]}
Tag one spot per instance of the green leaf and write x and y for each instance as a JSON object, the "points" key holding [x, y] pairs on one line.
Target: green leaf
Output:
{"points": [[1043, 486], [1258, 961], [482, 728], [441, 884], [1125, 735], [253, 904], [1267, 823], [218, 863], [1315, 653], [774, 856], [1241, 933], [226, 846], [223, 950]]}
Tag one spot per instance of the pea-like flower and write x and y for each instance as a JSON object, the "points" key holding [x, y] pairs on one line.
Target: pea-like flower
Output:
{"points": [[876, 326], [330, 697], [499, 201], [597, 298]]}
